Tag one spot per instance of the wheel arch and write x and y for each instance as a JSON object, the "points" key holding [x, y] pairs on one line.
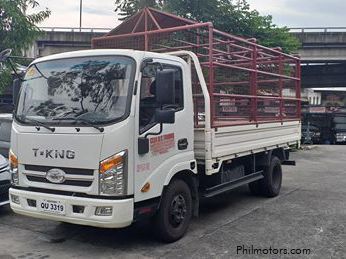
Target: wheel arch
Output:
{"points": [[265, 158], [191, 179]]}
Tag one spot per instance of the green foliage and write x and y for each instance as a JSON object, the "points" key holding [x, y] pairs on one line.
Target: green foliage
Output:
{"points": [[127, 8], [5, 78], [233, 16], [17, 29]]}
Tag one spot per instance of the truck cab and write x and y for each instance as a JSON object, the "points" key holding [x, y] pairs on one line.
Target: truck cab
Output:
{"points": [[94, 135]]}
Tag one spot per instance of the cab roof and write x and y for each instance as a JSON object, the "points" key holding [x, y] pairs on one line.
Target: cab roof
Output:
{"points": [[136, 54]]}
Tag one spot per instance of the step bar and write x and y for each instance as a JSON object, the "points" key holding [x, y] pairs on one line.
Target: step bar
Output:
{"points": [[218, 189]]}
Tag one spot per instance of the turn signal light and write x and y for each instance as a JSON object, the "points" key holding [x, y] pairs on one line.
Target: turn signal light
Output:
{"points": [[111, 162], [13, 160], [146, 187]]}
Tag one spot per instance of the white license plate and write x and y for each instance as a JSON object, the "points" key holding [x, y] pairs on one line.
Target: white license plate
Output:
{"points": [[50, 206]]}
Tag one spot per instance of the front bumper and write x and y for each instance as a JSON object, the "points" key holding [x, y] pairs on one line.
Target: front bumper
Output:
{"points": [[122, 214]]}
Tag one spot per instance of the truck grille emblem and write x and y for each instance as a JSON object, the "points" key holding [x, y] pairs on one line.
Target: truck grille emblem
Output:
{"points": [[56, 175]]}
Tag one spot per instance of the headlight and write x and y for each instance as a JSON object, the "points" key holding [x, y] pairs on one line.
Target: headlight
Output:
{"points": [[113, 174], [13, 160]]}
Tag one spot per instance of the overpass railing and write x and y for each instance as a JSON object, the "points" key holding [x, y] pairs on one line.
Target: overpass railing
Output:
{"points": [[317, 29], [105, 30], [75, 29]]}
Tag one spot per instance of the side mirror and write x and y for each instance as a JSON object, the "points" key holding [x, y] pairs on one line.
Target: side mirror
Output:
{"points": [[165, 86], [5, 54], [17, 84], [165, 116]]}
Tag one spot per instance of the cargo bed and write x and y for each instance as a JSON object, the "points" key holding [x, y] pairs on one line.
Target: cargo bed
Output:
{"points": [[236, 141]]}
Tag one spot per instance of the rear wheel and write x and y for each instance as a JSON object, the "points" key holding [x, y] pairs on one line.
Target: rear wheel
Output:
{"points": [[270, 185], [175, 212]]}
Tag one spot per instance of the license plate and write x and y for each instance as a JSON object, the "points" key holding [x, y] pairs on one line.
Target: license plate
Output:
{"points": [[55, 207]]}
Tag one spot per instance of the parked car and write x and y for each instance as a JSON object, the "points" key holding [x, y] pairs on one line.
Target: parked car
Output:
{"points": [[339, 128], [5, 133], [4, 180]]}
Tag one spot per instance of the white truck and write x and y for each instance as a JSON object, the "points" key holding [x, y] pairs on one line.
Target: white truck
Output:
{"points": [[107, 137]]}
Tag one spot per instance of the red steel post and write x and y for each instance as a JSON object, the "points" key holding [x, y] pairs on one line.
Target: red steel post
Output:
{"points": [[298, 87], [253, 85], [146, 39], [211, 74], [281, 72]]}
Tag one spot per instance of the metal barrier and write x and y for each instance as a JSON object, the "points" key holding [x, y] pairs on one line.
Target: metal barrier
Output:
{"points": [[246, 81], [75, 29], [317, 29], [292, 29]]}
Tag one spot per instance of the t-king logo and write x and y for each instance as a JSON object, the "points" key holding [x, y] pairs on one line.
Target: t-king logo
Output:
{"points": [[53, 153]]}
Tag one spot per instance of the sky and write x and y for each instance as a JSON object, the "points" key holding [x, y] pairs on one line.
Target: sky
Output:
{"points": [[290, 13]]}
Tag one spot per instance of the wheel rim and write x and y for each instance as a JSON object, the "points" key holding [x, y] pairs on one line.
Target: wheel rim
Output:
{"points": [[276, 177], [177, 211]]}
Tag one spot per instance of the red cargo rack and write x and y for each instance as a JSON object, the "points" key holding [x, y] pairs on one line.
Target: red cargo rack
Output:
{"points": [[248, 83]]}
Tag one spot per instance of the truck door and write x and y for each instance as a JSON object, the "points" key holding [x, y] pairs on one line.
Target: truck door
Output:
{"points": [[164, 152]]}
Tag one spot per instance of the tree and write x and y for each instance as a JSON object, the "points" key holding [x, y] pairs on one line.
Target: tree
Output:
{"points": [[17, 29], [233, 16], [127, 8]]}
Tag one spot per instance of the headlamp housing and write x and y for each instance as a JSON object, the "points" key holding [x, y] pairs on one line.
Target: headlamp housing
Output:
{"points": [[13, 161], [113, 175]]}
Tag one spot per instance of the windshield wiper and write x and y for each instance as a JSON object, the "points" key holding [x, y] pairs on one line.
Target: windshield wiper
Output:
{"points": [[38, 124], [84, 121]]}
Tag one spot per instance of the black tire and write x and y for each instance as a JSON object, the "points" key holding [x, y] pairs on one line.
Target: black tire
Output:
{"points": [[175, 212], [270, 185]]}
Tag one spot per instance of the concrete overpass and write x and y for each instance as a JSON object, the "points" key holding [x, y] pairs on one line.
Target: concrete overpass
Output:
{"points": [[62, 39], [318, 44], [322, 44], [323, 54]]}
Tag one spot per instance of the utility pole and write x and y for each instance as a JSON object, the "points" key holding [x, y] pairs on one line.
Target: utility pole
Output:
{"points": [[80, 14]]}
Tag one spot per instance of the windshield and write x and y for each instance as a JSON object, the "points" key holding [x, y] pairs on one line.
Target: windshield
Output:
{"points": [[95, 89]]}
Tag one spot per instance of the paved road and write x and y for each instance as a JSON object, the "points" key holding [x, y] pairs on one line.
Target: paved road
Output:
{"points": [[310, 214]]}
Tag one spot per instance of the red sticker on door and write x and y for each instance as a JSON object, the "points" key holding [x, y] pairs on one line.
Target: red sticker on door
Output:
{"points": [[143, 167], [162, 144]]}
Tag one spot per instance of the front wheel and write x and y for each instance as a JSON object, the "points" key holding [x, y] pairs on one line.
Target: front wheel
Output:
{"points": [[175, 212]]}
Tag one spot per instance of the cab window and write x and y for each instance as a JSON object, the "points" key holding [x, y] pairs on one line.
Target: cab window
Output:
{"points": [[148, 102]]}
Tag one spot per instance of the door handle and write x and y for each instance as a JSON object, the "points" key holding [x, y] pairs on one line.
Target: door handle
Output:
{"points": [[183, 144]]}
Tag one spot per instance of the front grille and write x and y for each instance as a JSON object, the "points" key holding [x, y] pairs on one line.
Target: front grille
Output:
{"points": [[4, 197], [67, 182], [75, 171], [4, 186], [73, 176]]}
